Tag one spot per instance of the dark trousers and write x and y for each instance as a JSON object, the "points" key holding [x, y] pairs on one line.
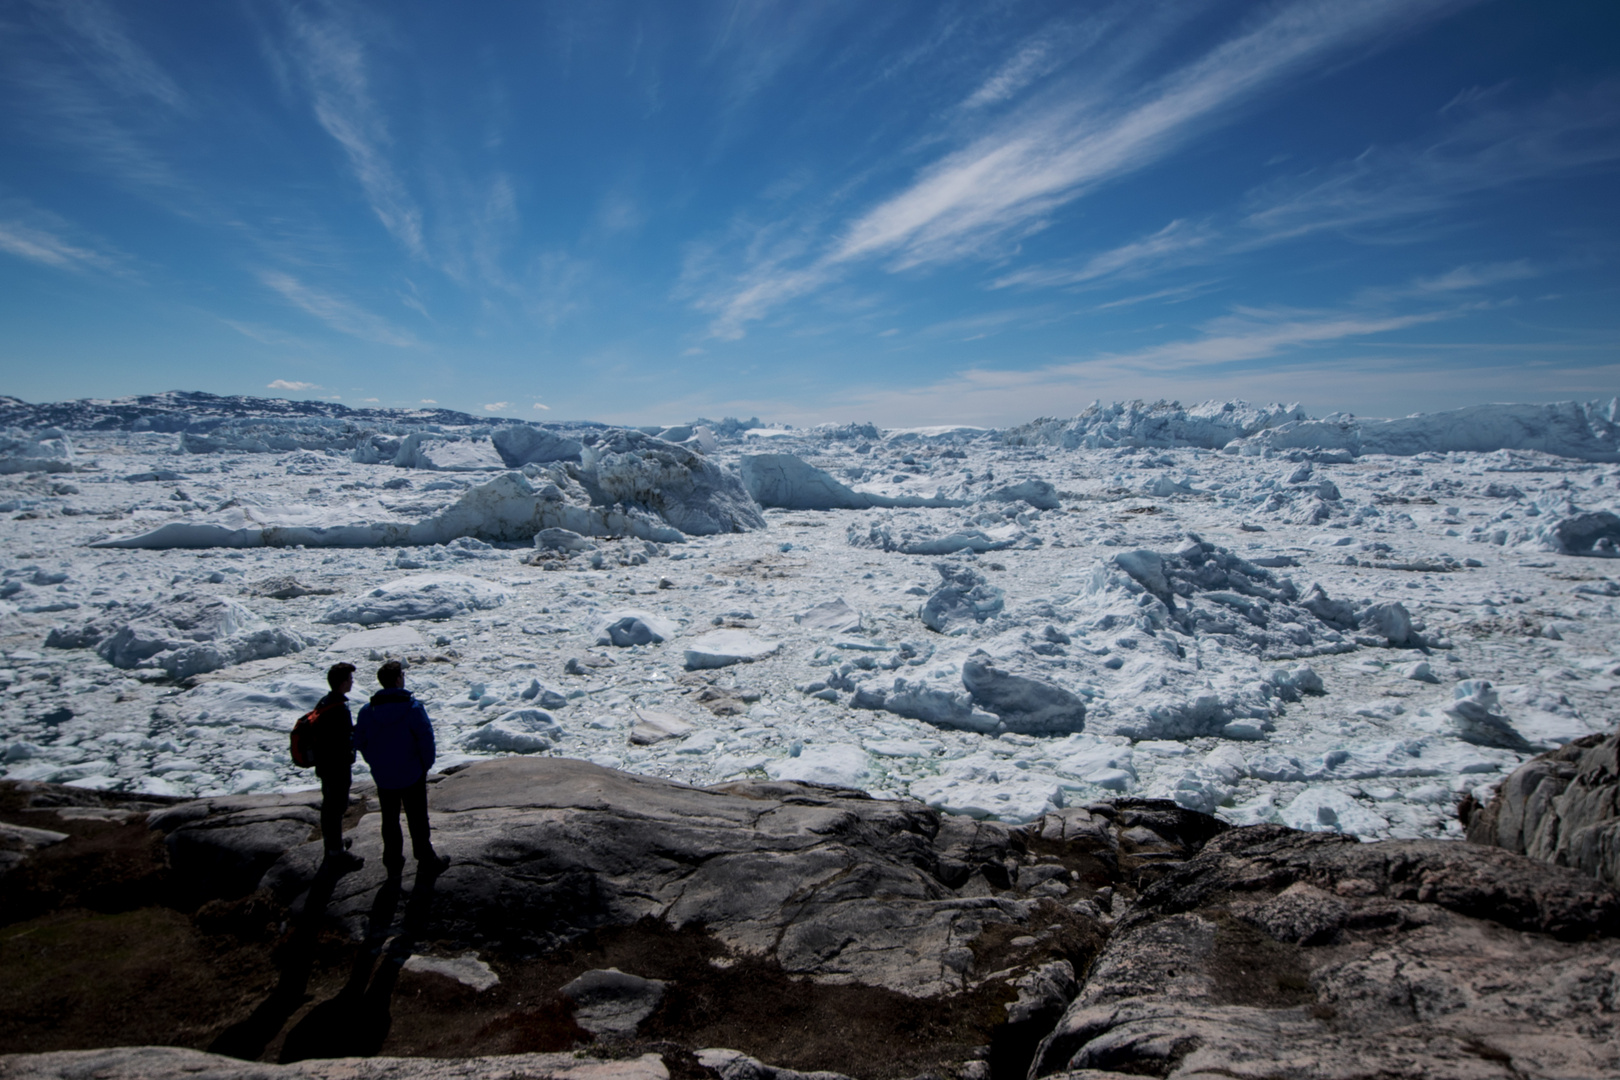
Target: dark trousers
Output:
{"points": [[334, 804], [414, 800]]}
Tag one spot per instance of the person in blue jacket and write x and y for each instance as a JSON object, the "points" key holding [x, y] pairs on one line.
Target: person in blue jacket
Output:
{"points": [[395, 736]]}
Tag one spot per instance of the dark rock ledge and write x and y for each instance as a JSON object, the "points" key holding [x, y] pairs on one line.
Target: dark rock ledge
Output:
{"points": [[812, 928]]}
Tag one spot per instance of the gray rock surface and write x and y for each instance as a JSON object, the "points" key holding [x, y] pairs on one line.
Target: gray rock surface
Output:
{"points": [[613, 1002], [1131, 937], [1562, 808], [735, 1065], [1281, 954], [174, 1063], [828, 883]]}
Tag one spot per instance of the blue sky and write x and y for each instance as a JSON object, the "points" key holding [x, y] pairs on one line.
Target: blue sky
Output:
{"points": [[909, 213]]}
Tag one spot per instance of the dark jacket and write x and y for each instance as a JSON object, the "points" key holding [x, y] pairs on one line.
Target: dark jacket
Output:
{"points": [[395, 737], [334, 735]]}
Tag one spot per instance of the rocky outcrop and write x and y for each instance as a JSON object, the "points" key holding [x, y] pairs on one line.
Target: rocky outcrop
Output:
{"points": [[817, 928], [1282, 954], [1562, 808], [173, 1063], [825, 882]]}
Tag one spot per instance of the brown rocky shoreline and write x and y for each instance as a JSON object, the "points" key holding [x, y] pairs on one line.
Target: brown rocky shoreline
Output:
{"points": [[810, 928]]}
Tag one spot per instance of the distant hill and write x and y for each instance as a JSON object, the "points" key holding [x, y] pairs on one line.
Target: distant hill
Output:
{"points": [[192, 410]]}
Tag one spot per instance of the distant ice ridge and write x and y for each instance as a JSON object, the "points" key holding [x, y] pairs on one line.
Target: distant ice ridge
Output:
{"points": [[1209, 426], [627, 484], [1588, 431]]}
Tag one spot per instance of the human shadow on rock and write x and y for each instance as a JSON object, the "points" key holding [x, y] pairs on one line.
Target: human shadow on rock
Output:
{"points": [[355, 1021], [247, 1038]]}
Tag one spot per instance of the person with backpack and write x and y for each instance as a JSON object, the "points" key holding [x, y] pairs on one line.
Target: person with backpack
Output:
{"points": [[333, 746], [395, 736]]}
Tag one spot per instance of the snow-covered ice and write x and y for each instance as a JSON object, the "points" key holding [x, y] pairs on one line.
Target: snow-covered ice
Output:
{"points": [[1340, 624]]}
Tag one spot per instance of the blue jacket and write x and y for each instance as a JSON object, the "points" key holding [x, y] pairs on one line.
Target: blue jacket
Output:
{"points": [[395, 736]]}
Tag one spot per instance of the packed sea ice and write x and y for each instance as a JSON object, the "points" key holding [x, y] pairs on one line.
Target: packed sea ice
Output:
{"points": [[1332, 623]]}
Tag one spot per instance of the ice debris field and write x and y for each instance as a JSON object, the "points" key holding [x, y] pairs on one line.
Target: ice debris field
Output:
{"points": [[1338, 624]]}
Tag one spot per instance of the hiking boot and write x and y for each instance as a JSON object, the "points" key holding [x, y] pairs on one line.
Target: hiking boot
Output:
{"points": [[432, 864]]}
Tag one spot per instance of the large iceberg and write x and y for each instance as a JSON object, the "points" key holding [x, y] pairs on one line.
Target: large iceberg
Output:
{"points": [[653, 492], [789, 483], [46, 451], [692, 493]]}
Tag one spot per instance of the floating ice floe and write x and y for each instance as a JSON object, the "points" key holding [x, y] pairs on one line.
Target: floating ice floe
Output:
{"points": [[422, 596], [384, 639], [722, 648], [184, 635], [836, 764], [626, 628], [653, 727], [883, 536], [521, 731], [833, 616]]}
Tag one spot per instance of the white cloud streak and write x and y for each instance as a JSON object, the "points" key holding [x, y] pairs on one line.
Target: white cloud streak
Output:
{"points": [[1378, 189], [290, 384], [1008, 181], [41, 244], [336, 312], [1030, 63], [333, 64], [113, 54]]}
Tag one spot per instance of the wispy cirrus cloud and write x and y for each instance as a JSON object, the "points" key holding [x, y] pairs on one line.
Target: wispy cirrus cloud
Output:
{"points": [[1171, 245], [290, 384], [1006, 182], [82, 81], [1489, 151], [337, 312], [42, 237], [332, 62], [111, 53], [266, 335], [1035, 60], [1476, 276], [1380, 189]]}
